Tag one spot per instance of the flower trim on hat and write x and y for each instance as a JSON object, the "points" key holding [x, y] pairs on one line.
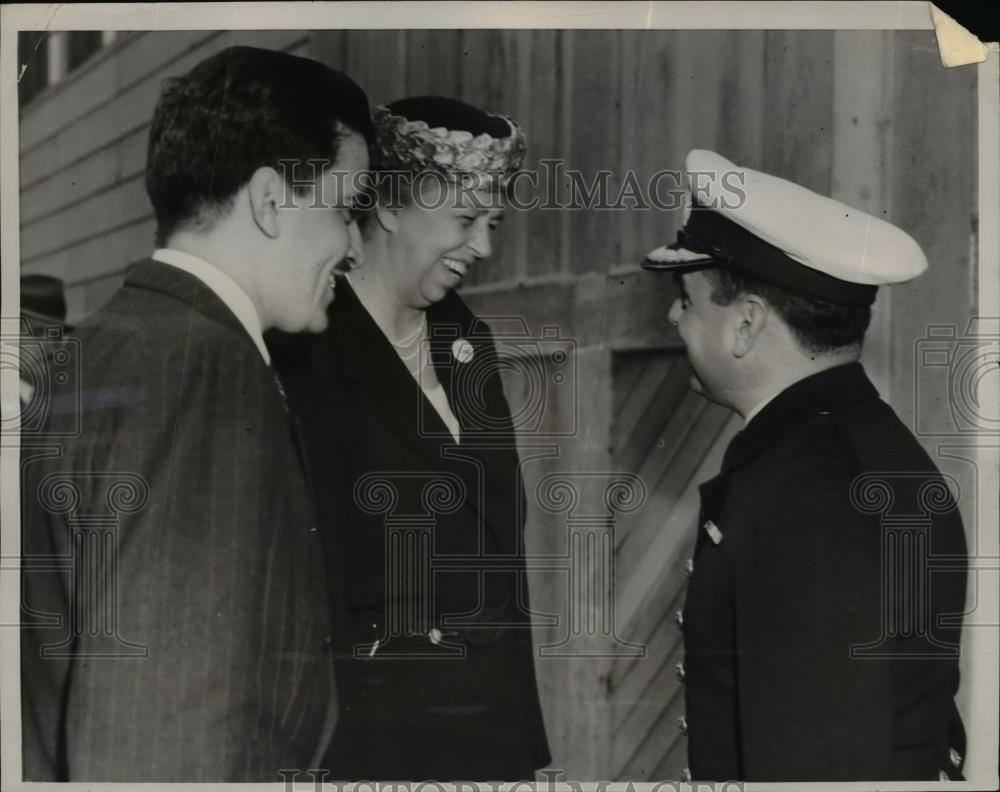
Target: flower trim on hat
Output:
{"points": [[401, 144]]}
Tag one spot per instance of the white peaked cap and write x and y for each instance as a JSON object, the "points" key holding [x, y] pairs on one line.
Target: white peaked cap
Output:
{"points": [[784, 233]]}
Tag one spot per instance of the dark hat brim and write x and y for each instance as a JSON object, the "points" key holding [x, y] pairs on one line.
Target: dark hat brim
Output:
{"points": [[737, 249]]}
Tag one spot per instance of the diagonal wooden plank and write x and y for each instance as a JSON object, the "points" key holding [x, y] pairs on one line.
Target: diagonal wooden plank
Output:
{"points": [[642, 421], [645, 737], [675, 530], [667, 483], [657, 631]]}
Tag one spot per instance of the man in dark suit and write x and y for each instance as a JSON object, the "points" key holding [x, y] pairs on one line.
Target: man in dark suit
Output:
{"points": [[175, 626], [827, 588]]}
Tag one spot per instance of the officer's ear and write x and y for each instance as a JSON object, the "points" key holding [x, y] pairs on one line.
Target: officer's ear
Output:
{"points": [[752, 313]]}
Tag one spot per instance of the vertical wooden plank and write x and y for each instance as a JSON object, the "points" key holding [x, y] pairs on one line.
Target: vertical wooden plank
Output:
{"points": [[862, 141], [742, 101], [519, 89], [544, 84], [376, 60], [798, 115], [933, 193], [696, 89], [330, 47], [595, 145], [650, 121], [433, 62], [488, 65]]}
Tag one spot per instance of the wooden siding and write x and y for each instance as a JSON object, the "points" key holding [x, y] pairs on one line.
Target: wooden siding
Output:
{"points": [[84, 211], [673, 439]]}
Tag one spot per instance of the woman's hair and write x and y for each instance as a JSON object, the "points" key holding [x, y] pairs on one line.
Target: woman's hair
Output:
{"points": [[424, 139], [239, 110]]}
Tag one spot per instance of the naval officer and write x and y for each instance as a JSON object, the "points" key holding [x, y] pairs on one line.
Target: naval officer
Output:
{"points": [[818, 645]]}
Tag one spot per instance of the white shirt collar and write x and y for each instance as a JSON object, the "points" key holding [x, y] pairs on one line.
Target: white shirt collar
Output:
{"points": [[224, 287]]}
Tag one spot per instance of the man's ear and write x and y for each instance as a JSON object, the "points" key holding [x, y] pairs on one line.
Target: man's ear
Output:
{"points": [[752, 313], [266, 192], [387, 218]]}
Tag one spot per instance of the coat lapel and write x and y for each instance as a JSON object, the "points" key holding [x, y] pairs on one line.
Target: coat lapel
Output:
{"points": [[366, 356]]}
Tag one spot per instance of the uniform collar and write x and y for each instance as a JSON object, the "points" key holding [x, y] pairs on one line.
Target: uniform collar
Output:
{"points": [[224, 287], [821, 392]]}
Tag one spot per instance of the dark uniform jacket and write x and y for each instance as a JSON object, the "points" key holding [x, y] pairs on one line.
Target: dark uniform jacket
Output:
{"points": [[823, 613], [175, 623], [427, 535]]}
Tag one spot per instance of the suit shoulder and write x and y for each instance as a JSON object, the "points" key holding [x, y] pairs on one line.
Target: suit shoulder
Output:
{"points": [[131, 338]]}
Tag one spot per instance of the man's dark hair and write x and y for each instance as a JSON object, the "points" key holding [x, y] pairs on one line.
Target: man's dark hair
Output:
{"points": [[242, 109], [818, 326]]}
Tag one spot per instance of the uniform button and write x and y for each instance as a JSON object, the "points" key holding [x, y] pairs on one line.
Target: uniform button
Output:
{"points": [[435, 636], [679, 619], [689, 567], [682, 725], [679, 671], [686, 775], [956, 757]]}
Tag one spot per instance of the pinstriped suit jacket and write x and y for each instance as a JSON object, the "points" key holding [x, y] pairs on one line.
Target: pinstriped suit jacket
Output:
{"points": [[184, 637]]}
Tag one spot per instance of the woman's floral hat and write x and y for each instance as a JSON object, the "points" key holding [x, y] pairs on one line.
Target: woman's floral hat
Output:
{"points": [[430, 133]]}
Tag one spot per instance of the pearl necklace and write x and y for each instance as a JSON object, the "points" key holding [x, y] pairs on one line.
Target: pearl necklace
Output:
{"points": [[414, 337], [408, 347]]}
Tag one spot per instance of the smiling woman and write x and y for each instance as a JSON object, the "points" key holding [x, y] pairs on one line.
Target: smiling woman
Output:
{"points": [[401, 397]]}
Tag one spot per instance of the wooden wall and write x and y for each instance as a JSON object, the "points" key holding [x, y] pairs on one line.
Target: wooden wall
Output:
{"points": [[871, 118], [84, 211]]}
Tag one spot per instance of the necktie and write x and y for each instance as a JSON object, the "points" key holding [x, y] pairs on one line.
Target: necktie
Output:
{"points": [[295, 427]]}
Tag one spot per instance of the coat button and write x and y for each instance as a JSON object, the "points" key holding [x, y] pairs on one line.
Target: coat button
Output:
{"points": [[679, 619], [689, 567], [686, 775], [679, 672], [682, 725], [956, 757], [435, 636]]}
